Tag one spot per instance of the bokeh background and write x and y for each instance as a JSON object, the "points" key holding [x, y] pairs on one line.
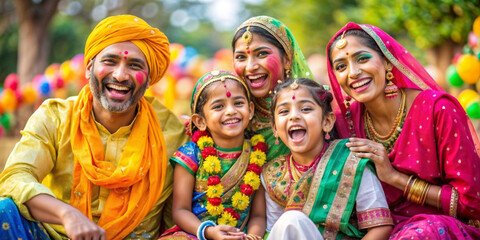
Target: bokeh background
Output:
{"points": [[42, 44]]}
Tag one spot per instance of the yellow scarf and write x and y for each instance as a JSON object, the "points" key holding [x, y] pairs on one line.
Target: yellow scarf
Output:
{"points": [[135, 184]]}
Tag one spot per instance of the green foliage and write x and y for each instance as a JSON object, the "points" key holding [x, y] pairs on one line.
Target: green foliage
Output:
{"points": [[8, 52], [428, 22], [68, 38]]}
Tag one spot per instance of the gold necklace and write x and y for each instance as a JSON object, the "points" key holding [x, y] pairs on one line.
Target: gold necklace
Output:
{"points": [[387, 140]]}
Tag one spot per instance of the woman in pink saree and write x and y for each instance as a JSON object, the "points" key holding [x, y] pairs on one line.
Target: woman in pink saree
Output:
{"points": [[423, 145]]}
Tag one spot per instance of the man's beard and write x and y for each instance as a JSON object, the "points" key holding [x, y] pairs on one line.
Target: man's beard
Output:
{"points": [[99, 93]]}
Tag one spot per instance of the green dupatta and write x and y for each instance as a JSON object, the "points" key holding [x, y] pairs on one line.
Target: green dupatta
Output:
{"points": [[299, 69], [336, 181]]}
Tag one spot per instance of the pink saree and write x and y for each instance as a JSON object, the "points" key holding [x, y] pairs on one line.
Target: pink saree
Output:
{"points": [[437, 144]]}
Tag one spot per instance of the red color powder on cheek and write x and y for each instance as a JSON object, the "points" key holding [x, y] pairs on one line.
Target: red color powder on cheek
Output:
{"points": [[237, 69], [102, 71], [140, 78], [274, 65]]}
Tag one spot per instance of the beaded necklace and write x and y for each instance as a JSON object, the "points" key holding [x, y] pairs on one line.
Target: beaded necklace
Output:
{"points": [[251, 180], [387, 140], [292, 165]]}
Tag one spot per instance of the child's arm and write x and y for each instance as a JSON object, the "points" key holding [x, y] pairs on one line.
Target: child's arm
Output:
{"points": [[182, 208], [182, 214], [378, 233], [257, 222]]}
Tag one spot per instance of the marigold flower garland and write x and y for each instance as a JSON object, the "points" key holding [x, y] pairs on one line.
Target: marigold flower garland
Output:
{"points": [[251, 180]]}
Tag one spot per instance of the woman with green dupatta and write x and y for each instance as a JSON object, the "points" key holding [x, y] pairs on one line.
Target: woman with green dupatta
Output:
{"points": [[265, 53]]}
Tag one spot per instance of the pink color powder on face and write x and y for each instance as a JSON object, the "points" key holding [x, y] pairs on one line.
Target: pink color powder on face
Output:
{"points": [[102, 71], [274, 65], [140, 78], [238, 70]]}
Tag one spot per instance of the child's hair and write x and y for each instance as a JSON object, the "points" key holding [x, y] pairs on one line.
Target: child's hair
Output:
{"points": [[318, 92], [200, 94], [321, 96]]}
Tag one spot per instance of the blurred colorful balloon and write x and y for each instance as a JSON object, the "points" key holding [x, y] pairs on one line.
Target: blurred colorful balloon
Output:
{"points": [[29, 94], [6, 120], [453, 77], [176, 50], [473, 109], [476, 26], [66, 71], [11, 81], [472, 40], [44, 87], [468, 68], [467, 96], [52, 70], [9, 100]]}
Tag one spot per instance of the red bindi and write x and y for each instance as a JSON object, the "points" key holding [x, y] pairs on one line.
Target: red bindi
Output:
{"points": [[347, 53], [248, 51], [126, 52]]}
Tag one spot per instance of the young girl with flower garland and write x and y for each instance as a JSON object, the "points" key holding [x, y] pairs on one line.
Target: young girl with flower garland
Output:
{"points": [[319, 189], [217, 173]]}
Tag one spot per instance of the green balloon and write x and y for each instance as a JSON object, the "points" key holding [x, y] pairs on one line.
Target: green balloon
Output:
{"points": [[473, 110], [6, 121], [453, 77]]}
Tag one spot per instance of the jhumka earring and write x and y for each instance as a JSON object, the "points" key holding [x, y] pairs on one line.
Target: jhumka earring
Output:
{"points": [[327, 136], [348, 116], [247, 38], [391, 90], [276, 141], [288, 72]]}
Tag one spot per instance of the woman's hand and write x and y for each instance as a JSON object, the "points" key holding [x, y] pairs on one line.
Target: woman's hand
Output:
{"points": [[223, 232], [366, 148]]}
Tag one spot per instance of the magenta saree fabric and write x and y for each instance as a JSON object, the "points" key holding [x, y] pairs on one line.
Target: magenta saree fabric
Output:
{"points": [[437, 144]]}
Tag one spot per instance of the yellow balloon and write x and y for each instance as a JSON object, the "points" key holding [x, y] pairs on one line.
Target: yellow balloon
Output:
{"points": [[468, 68], [29, 94], [466, 96], [9, 100], [66, 71], [52, 70], [476, 26]]}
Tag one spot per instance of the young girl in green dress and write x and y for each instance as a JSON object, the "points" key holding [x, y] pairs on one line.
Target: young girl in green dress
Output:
{"points": [[320, 189]]}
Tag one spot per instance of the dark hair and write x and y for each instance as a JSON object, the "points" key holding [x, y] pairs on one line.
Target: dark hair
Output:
{"points": [[205, 95], [318, 92], [367, 40], [262, 33]]}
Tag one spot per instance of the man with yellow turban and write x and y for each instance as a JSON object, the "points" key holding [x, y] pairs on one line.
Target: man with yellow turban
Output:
{"points": [[95, 166]]}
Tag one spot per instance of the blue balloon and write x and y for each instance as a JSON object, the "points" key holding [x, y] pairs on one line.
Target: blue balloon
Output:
{"points": [[45, 88], [188, 54]]}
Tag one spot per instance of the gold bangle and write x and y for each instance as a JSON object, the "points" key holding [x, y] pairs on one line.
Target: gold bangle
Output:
{"points": [[453, 203], [439, 202], [411, 190], [405, 193], [425, 194], [253, 237]]}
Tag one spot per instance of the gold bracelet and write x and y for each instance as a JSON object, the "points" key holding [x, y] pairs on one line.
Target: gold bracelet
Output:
{"points": [[439, 202], [405, 192], [415, 190]]}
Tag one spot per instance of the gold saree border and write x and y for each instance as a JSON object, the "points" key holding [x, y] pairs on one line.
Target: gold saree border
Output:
{"points": [[317, 178], [334, 216]]}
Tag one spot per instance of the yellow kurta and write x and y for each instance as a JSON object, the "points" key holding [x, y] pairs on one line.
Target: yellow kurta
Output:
{"points": [[42, 163]]}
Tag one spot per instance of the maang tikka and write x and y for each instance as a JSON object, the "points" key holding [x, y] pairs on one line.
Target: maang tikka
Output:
{"points": [[247, 38], [342, 42]]}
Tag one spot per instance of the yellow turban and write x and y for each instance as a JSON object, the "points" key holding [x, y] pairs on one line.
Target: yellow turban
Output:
{"points": [[153, 43]]}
